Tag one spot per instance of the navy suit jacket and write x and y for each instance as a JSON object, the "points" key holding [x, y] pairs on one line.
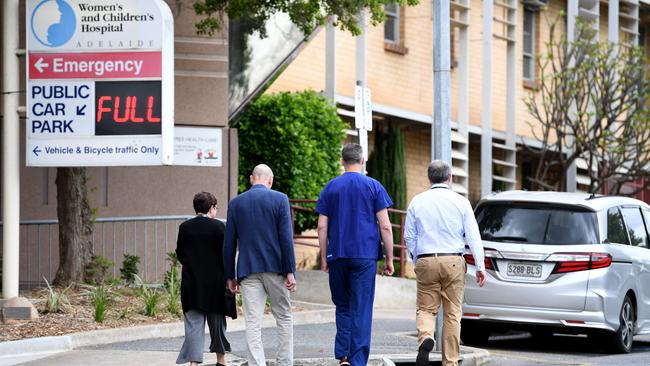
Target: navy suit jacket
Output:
{"points": [[259, 225]]}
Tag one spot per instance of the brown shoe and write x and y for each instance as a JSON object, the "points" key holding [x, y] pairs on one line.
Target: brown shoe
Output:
{"points": [[344, 362]]}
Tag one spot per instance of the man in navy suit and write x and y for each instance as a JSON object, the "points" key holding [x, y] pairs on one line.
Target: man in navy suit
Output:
{"points": [[259, 225]]}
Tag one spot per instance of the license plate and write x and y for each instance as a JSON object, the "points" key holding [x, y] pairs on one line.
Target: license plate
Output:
{"points": [[524, 270]]}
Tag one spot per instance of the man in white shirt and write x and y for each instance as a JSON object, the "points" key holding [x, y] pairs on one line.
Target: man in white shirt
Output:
{"points": [[438, 224]]}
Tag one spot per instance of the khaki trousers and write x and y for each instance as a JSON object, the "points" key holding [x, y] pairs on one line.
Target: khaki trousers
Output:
{"points": [[441, 279], [254, 289]]}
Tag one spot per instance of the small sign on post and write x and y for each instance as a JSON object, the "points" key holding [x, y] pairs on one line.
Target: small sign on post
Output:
{"points": [[100, 83], [362, 108], [358, 107], [367, 110]]}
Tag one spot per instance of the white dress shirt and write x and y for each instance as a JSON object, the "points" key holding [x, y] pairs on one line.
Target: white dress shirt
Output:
{"points": [[440, 220]]}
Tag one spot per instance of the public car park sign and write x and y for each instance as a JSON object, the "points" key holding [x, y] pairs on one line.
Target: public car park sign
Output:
{"points": [[100, 83]]}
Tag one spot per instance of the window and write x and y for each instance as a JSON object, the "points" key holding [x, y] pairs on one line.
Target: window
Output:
{"points": [[642, 38], [615, 227], [394, 29], [392, 24], [536, 224], [646, 217], [529, 45], [635, 226]]}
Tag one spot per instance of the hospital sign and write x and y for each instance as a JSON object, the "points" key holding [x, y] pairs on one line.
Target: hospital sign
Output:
{"points": [[99, 83]]}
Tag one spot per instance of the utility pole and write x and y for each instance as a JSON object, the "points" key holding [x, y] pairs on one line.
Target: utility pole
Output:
{"points": [[361, 54], [441, 128], [10, 150], [330, 61], [486, 102], [12, 306]]}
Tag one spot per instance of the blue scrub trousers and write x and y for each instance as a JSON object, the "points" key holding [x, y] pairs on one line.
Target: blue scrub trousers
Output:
{"points": [[352, 284]]}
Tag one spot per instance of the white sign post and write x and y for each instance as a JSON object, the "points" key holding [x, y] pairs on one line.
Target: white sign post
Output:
{"points": [[363, 115], [100, 83]]}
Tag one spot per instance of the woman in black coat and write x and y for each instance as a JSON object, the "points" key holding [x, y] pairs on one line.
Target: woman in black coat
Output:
{"points": [[203, 288]]}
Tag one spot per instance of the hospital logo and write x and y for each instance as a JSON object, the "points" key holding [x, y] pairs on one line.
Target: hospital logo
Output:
{"points": [[53, 22]]}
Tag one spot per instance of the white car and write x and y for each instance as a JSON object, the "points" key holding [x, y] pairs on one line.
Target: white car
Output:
{"points": [[561, 263]]}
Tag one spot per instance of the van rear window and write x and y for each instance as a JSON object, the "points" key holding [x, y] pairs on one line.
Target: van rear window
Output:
{"points": [[531, 224]]}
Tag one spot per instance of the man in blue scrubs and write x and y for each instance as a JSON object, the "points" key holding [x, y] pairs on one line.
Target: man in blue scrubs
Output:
{"points": [[350, 208]]}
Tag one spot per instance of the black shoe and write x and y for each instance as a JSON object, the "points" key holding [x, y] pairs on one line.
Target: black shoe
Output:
{"points": [[423, 352]]}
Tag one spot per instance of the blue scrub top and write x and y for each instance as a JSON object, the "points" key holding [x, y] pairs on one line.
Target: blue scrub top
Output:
{"points": [[350, 202]]}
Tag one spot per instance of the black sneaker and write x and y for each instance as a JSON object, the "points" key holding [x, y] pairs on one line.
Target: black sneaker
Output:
{"points": [[423, 352]]}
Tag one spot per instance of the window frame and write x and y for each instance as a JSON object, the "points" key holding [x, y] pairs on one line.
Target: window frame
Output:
{"points": [[627, 235], [396, 16], [532, 67], [645, 213], [639, 211]]}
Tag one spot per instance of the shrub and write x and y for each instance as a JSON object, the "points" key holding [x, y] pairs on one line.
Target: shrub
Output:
{"points": [[149, 295], [173, 284], [172, 275], [54, 299], [97, 269], [306, 135], [99, 297], [129, 270]]}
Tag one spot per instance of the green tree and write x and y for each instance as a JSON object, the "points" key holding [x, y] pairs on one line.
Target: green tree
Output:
{"points": [[307, 15], [299, 136], [386, 164]]}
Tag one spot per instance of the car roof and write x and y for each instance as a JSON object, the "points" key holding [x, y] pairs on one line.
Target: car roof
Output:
{"points": [[584, 200]]}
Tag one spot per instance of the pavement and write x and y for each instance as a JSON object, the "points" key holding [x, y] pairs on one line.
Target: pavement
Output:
{"points": [[394, 339], [394, 343]]}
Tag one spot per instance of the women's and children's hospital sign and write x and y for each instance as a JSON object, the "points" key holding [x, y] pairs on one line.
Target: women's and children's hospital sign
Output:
{"points": [[100, 83]]}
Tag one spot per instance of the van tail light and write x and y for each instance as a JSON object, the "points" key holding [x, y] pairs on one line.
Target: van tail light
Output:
{"points": [[574, 262], [489, 254]]}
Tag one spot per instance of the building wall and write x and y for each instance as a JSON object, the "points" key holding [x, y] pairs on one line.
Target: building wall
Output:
{"points": [[404, 81], [201, 92], [201, 99], [417, 156]]}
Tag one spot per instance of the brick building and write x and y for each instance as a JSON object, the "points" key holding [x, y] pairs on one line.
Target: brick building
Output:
{"points": [[399, 73]]}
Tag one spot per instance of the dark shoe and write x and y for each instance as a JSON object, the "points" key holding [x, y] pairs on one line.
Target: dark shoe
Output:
{"points": [[423, 352], [344, 362]]}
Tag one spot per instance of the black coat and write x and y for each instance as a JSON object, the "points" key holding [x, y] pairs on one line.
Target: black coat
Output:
{"points": [[200, 251]]}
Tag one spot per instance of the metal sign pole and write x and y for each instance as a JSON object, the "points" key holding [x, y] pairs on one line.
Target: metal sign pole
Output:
{"points": [[361, 83], [441, 128], [10, 153]]}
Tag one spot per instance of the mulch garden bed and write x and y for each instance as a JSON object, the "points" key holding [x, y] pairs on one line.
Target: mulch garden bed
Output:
{"points": [[76, 314]]}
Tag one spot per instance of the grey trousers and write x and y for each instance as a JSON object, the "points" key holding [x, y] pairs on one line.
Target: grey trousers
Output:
{"points": [[193, 345], [254, 289]]}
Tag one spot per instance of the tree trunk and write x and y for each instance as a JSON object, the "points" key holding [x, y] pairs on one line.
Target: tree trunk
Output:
{"points": [[75, 226]]}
